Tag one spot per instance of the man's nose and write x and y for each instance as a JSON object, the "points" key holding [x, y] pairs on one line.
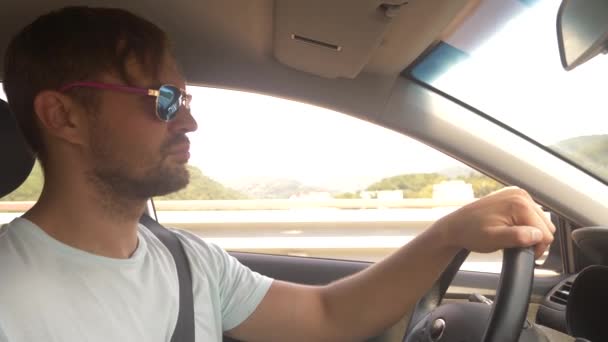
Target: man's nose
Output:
{"points": [[184, 122]]}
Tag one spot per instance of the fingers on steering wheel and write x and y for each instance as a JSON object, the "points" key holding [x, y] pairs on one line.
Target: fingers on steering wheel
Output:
{"points": [[530, 214], [539, 211], [548, 231]]}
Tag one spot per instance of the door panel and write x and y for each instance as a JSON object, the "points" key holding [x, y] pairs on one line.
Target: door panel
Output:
{"points": [[314, 271]]}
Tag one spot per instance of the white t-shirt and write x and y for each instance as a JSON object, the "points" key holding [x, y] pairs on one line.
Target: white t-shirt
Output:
{"points": [[52, 292]]}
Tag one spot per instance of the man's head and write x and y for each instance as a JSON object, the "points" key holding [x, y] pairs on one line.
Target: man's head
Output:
{"points": [[113, 136]]}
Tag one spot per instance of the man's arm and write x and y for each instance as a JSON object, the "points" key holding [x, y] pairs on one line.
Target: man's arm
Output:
{"points": [[366, 303]]}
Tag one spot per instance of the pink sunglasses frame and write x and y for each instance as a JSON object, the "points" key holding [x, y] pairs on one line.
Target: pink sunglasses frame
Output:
{"points": [[185, 99]]}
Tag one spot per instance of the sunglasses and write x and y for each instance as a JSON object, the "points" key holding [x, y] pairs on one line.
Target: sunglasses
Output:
{"points": [[169, 98]]}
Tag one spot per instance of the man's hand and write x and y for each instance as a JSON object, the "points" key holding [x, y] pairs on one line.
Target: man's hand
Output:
{"points": [[504, 219]]}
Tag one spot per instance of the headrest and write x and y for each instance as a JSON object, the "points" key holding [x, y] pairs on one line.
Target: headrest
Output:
{"points": [[16, 157]]}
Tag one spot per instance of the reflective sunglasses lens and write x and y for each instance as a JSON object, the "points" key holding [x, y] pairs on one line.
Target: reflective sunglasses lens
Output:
{"points": [[169, 99]]}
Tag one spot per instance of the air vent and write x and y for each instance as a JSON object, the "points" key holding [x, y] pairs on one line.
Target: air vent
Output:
{"points": [[561, 295]]}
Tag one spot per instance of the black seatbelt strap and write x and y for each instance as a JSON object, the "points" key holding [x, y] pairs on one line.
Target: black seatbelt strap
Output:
{"points": [[184, 329]]}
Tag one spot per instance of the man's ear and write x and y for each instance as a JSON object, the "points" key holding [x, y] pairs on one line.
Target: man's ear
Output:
{"points": [[60, 117]]}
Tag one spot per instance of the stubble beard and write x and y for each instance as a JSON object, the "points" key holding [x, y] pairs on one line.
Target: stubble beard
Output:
{"points": [[120, 179]]}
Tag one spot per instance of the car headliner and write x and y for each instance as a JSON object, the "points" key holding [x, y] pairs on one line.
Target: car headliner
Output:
{"points": [[230, 43]]}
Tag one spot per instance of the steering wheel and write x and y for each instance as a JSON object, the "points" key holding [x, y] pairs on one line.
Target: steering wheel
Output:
{"points": [[464, 322]]}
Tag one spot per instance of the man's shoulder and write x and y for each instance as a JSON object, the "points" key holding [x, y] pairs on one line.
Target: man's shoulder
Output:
{"points": [[15, 257], [195, 247], [6, 227], [3, 230], [8, 236], [201, 249], [5, 241]]}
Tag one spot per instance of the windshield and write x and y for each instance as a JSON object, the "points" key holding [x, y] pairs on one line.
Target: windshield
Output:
{"points": [[508, 68]]}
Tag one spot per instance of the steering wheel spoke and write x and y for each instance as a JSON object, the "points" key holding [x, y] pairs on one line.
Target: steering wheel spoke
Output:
{"points": [[431, 321]]}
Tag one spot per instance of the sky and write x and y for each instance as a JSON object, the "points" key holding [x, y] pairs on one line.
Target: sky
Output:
{"points": [[250, 135], [244, 135]]}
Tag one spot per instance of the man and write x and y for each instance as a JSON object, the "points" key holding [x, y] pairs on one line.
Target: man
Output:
{"points": [[99, 98]]}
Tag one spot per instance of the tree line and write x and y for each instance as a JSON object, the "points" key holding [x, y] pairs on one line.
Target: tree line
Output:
{"points": [[202, 187], [420, 185]]}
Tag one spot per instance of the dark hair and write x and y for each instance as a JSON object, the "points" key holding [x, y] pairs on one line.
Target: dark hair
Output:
{"points": [[75, 44]]}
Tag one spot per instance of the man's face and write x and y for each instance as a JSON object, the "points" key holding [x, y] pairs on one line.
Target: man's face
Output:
{"points": [[131, 152]]}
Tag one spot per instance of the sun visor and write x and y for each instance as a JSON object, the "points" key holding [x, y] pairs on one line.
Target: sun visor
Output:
{"points": [[331, 38]]}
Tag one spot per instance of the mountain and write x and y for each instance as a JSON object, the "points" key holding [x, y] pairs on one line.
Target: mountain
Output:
{"points": [[200, 187], [414, 185], [590, 152], [457, 171], [272, 188]]}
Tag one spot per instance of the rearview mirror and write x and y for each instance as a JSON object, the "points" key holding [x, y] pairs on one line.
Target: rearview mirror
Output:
{"points": [[582, 31]]}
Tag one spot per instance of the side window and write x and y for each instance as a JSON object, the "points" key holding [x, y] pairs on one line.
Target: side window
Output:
{"points": [[269, 175], [274, 176]]}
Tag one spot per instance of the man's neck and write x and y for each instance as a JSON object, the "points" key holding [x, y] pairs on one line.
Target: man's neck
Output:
{"points": [[94, 221]]}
